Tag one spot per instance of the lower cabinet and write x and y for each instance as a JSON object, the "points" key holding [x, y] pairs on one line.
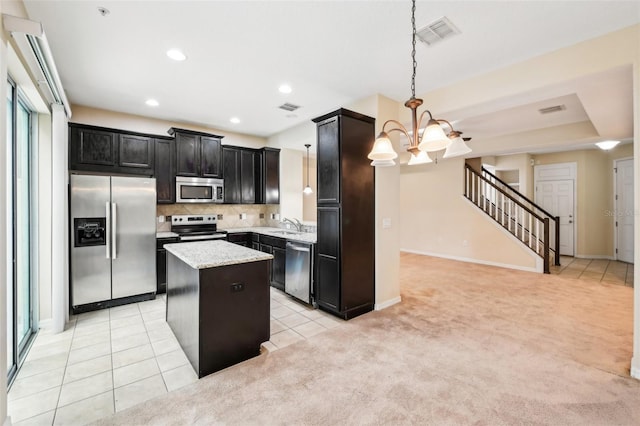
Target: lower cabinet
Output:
{"points": [[161, 263], [278, 271], [240, 238], [267, 244]]}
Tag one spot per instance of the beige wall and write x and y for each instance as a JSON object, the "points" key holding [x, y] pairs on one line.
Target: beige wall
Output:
{"points": [[44, 223], [521, 163], [436, 219], [291, 184], [137, 123], [309, 204], [594, 196]]}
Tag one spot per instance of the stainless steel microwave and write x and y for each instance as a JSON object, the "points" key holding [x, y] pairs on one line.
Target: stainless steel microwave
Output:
{"points": [[199, 190]]}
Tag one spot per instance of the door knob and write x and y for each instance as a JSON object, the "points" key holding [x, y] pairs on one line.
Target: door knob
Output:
{"points": [[570, 221]]}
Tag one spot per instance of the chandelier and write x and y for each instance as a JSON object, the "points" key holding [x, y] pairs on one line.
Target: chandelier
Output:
{"points": [[421, 141]]}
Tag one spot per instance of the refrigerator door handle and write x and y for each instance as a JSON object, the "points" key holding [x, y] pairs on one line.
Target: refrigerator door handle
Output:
{"points": [[114, 222], [108, 224]]}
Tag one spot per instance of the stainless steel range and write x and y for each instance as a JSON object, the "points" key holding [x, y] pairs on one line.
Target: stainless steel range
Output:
{"points": [[201, 227]]}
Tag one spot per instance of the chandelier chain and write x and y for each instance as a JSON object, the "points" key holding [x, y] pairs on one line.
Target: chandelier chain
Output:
{"points": [[413, 51]]}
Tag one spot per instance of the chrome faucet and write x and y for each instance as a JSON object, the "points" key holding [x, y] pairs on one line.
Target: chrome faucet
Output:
{"points": [[297, 224]]}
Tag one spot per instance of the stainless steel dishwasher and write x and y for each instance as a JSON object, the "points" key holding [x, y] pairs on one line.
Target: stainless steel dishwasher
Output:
{"points": [[299, 267]]}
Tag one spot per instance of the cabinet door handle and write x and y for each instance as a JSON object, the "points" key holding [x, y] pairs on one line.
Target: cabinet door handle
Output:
{"points": [[114, 215], [107, 237]]}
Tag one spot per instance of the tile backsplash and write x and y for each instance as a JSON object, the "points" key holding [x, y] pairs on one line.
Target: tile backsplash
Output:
{"points": [[252, 214]]}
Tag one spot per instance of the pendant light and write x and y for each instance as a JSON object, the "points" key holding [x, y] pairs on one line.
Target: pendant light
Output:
{"points": [[307, 189], [430, 139]]}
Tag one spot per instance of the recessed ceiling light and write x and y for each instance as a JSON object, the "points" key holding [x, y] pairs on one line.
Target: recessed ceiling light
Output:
{"points": [[234, 120], [152, 102], [607, 145], [291, 115], [176, 55], [285, 88]]}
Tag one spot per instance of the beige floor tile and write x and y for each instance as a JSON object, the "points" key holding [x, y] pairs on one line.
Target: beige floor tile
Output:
{"points": [[37, 383], [91, 328], [281, 311], [41, 365], [88, 368], [295, 306], [313, 314], [90, 339], [598, 265], [33, 405], [55, 348], [154, 315], [129, 321], [270, 347], [164, 346], [172, 360], [309, 329], [131, 356], [93, 317], [47, 338], [285, 338], [179, 377], [329, 322], [85, 388], [89, 352], [276, 326], [131, 341], [39, 420], [118, 333], [134, 372], [157, 323], [293, 320], [140, 391], [152, 305], [124, 311], [160, 333], [86, 411]]}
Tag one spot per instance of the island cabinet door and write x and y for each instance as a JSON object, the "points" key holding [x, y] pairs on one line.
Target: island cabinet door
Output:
{"points": [[234, 314]]}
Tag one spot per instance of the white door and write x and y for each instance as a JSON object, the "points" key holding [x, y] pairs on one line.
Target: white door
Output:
{"points": [[624, 210], [556, 197]]}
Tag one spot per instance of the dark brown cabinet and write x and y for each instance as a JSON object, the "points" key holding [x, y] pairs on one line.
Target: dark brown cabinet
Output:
{"points": [[345, 281], [197, 154], [268, 176], [239, 171], [99, 149], [276, 247], [161, 263], [165, 173], [240, 238]]}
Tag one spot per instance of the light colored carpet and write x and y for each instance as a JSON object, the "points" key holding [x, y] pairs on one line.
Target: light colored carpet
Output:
{"points": [[468, 344]]}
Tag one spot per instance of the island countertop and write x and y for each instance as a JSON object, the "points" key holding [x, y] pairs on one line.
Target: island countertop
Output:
{"points": [[211, 254]]}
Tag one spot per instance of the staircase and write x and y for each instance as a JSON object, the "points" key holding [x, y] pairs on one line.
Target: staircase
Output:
{"points": [[516, 213]]}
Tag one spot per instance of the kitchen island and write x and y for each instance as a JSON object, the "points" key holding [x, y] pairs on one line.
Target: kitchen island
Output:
{"points": [[217, 302]]}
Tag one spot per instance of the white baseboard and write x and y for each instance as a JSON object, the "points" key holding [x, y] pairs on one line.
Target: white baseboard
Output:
{"points": [[538, 267], [7, 421], [387, 303], [586, 256], [635, 369], [45, 324]]}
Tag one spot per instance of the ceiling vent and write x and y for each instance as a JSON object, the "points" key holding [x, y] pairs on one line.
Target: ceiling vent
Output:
{"points": [[289, 107], [552, 109], [437, 31]]}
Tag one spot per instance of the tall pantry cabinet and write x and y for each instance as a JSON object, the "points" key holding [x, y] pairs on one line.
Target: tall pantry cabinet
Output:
{"points": [[345, 280]]}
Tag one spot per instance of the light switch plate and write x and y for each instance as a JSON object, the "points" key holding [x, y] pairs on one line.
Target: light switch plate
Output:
{"points": [[161, 219], [386, 223]]}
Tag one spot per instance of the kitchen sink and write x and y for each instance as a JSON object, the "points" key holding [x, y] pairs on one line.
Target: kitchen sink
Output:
{"points": [[287, 232]]}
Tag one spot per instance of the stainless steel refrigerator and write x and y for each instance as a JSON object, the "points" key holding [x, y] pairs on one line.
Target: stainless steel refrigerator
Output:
{"points": [[113, 240]]}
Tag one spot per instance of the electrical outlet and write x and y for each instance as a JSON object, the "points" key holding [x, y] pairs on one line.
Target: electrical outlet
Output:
{"points": [[219, 217], [243, 215], [161, 219], [261, 215]]}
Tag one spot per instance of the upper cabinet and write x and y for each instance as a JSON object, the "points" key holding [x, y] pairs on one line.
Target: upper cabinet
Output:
{"points": [[268, 176], [197, 154], [98, 149], [239, 171], [165, 170]]}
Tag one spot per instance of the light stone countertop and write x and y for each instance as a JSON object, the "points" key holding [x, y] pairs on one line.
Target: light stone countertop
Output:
{"points": [[306, 237], [166, 235], [211, 254]]}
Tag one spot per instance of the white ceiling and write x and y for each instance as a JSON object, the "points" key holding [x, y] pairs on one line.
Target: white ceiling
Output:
{"points": [[331, 52]]}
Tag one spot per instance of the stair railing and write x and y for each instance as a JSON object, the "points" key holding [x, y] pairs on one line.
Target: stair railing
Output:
{"points": [[533, 206], [529, 227]]}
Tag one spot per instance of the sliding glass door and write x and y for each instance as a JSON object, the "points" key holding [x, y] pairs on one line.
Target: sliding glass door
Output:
{"points": [[21, 294]]}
